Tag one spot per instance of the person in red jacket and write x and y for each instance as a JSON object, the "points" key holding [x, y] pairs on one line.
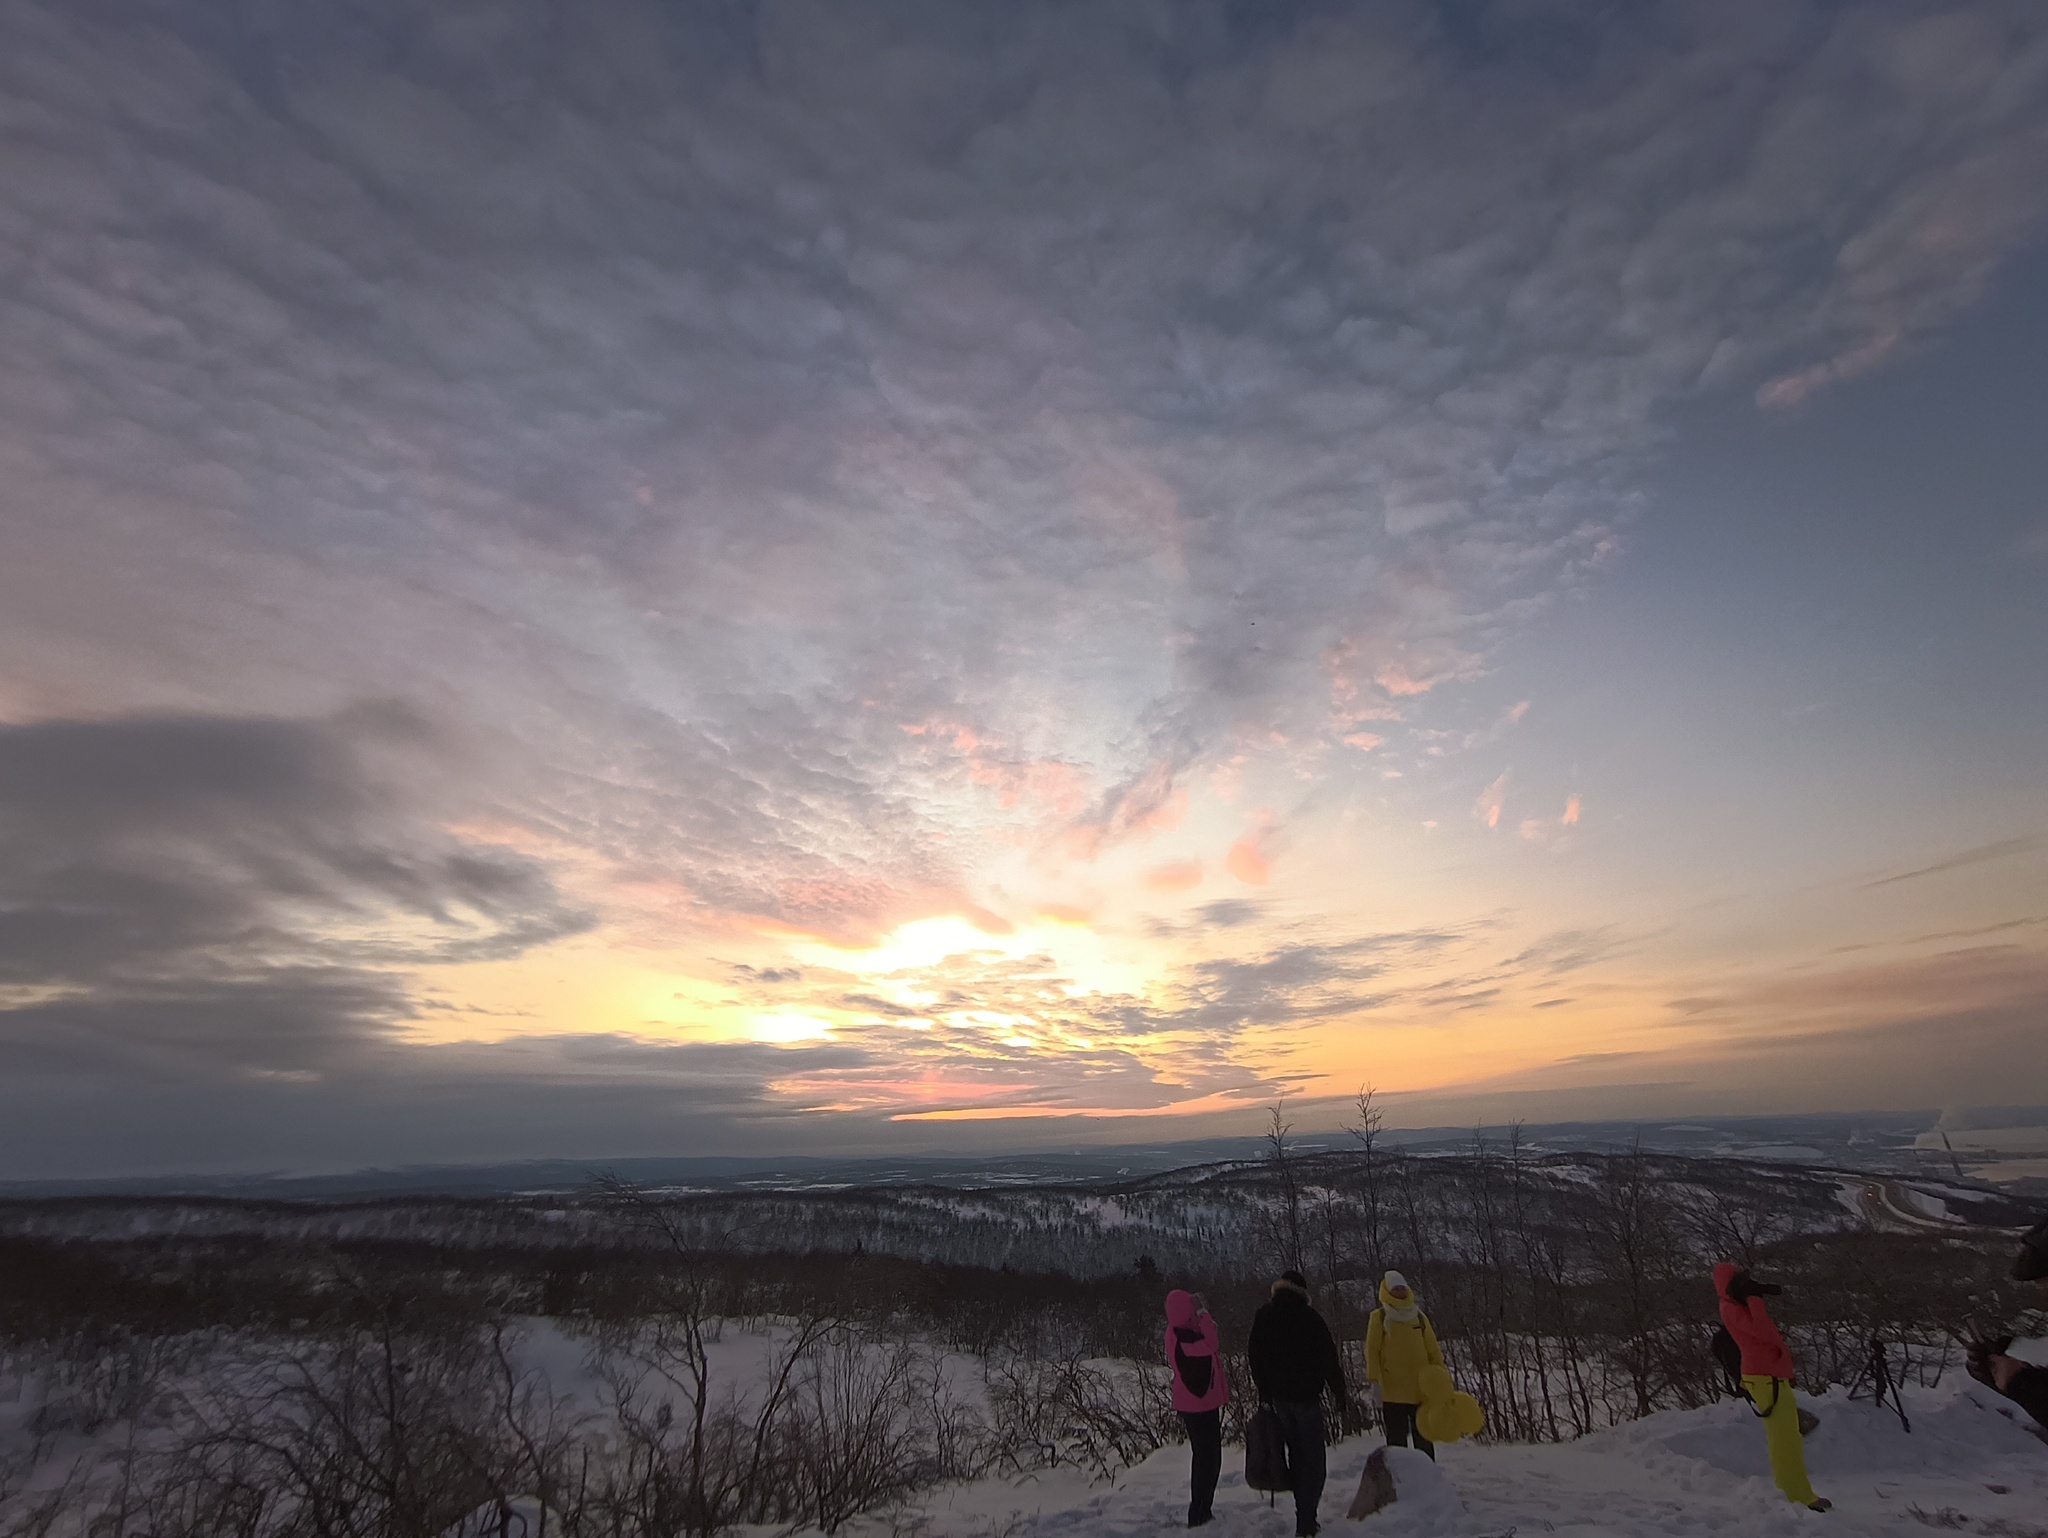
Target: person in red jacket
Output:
{"points": [[1767, 1378], [1200, 1387]]}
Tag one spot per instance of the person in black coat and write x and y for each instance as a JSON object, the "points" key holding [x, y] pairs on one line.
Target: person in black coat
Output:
{"points": [[2025, 1384], [1293, 1358]]}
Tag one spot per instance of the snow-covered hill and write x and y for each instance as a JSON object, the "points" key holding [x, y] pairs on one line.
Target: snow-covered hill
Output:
{"points": [[1967, 1465], [1198, 1221]]}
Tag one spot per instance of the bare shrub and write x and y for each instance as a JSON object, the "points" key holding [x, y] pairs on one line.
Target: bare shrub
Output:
{"points": [[843, 1421], [91, 1379], [872, 1423], [842, 1424], [383, 1432], [1094, 1415]]}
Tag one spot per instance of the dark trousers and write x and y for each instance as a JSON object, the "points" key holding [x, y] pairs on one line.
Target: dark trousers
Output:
{"points": [[1205, 1446], [1301, 1423], [1400, 1419]]}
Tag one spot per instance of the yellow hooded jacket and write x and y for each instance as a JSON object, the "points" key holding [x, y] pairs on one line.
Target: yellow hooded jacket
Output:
{"points": [[1397, 1350]]}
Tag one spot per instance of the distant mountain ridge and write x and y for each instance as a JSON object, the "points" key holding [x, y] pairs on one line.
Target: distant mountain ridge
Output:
{"points": [[1878, 1141]]}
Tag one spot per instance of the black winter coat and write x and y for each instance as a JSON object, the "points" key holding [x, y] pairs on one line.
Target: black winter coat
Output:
{"points": [[2028, 1390], [1291, 1351]]}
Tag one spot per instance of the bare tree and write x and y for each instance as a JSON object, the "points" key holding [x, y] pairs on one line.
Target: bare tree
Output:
{"points": [[1371, 1178], [1636, 1242], [1543, 1326], [1280, 1155]]}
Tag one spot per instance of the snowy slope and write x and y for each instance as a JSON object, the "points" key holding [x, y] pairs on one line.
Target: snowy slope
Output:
{"points": [[1680, 1473], [1969, 1464]]}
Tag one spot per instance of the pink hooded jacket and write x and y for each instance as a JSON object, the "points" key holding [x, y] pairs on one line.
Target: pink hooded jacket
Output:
{"points": [[1192, 1352], [1764, 1351]]}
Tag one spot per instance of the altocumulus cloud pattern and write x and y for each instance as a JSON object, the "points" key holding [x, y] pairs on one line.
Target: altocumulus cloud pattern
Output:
{"points": [[690, 493]]}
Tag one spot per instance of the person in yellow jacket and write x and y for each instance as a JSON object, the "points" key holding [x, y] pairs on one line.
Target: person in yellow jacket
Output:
{"points": [[1399, 1343]]}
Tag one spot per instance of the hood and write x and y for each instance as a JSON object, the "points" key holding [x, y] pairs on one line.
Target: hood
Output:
{"points": [[1725, 1273], [1387, 1298], [1180, 1309], [2032, 1265]]}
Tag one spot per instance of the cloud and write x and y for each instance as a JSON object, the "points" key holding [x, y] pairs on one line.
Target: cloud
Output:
{"points": [[822, 462], [1794, 389], [221, 895], [589, 1096], [1302, 980], [1250, 859], [880, 1006], [770, 975], [847, 356], [1488, 807], [1999, 849], [985, 1033], [1174, 876], [1228, 913], [1546, 830], [1571, 950], [142, 843], [280, 1022], [1957, 1028], [1960, 1027]]}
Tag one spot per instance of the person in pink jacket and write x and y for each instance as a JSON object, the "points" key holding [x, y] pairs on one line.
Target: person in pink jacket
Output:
{"points": [[1767, 1378], [1200, 1387]]}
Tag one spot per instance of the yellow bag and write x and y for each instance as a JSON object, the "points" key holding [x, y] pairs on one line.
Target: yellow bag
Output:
{"points": [[1446, 1414]]}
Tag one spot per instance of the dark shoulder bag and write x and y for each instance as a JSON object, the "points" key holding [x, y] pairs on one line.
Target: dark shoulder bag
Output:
{"points": [[1265, 1452]]}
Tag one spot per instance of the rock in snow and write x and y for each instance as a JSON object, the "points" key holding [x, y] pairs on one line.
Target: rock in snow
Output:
{"points": [[1407, 1496]]}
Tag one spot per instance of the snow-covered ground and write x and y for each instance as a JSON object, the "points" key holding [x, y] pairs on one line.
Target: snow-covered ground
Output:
{"points": [[1966, 1466], [1971, 1463]]}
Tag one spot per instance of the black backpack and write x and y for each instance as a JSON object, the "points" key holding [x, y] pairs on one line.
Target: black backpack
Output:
{"points": [[1729, 1355]]}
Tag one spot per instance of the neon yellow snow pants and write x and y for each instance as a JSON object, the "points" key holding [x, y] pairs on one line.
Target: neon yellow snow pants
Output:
{"points": [[1773, 1397]]}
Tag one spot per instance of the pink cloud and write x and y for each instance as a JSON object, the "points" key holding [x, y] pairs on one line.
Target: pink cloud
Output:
{"points": [[1174, 876], [1250, 858], [1061, 788], [1397, 680], [1488, 807], [1791, 389], [1542, 829], [1417, 669], [1151, 803], [1066, 913], [1349, 704]]}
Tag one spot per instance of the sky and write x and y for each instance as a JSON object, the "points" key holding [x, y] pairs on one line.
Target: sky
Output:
{"points": [[726, 577]]}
